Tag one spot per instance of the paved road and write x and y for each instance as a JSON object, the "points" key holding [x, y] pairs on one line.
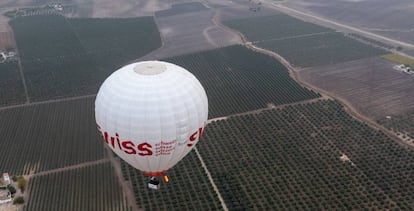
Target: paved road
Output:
{"points": [[295, 12]]}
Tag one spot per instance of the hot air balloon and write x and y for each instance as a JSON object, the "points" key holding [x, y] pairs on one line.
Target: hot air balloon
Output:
{"points": [[151, 114]]}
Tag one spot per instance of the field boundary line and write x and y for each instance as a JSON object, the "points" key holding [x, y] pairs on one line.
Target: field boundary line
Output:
{"points": [[351, 110], [210, 178], [257, 111], [124, 184], [47, 101], [296, 76], [294, 37], [155, 53], [23, 80], [326, 21], [19, 63], [67, 168], [286, 10]]}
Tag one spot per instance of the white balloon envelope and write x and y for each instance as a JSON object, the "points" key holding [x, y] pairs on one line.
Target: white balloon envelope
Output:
{"points": [[151, 114]]}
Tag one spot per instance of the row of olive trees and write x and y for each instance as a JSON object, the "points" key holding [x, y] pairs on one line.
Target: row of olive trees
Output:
{"points": [[289, 159], [238, 80]]}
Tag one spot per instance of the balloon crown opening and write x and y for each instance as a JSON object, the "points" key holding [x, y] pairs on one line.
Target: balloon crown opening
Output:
{"points": [[150, 68]]}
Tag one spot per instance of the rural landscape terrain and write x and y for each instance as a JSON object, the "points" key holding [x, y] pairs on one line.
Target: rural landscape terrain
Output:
{"points": [[386, 18], [310, 107]]}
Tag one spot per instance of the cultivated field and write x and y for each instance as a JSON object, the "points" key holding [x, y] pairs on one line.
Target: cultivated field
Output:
{"points": [[289, 159], [3, 25], [411, 52], [274, 27], [70, 57], [48, 136], [126, 40], [6, 38], [188, 189], [188, 28], [23, 3], [11, 86], [87, 188], [320, 49], [303, 44], [96, 8], [389, 18], [237, 80], [402, 125], [120, 8], [399, 59], [232, 10], [177, 9], [371, 85]]}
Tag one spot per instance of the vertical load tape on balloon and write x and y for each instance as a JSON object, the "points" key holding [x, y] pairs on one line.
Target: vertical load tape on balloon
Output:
{"points": [[151, 114]]}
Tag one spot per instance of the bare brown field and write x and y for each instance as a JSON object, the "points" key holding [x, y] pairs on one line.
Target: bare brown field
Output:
{"points": [[119, 8], [182, 31], [190, 32], [99, 8], [6, 40], [389, 18], [4, 26], [23, 3], [233, 11], [370, 85], [411, 52]]}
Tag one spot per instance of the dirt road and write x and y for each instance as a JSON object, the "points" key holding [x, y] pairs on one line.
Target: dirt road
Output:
{"points": [[91, 163], [325, 94]]}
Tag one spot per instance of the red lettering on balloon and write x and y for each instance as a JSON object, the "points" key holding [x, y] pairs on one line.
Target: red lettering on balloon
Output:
{"points": [[145, 149], [200, 132], [113, 142], [118, 141], [193, 137], [106, 137], [129, 147]]}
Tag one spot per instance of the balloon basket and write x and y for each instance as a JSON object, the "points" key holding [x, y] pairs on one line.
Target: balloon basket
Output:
{"points": [[154, 183]]}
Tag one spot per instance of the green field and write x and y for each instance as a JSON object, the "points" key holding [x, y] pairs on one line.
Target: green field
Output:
{"points": [[112, 43], [274, 27], [322, 49], [50, 36], [48, 136], [51, 78], [399, 59], [188, 189], [87, 188], [237, 80], [64, 57], [11, 85], [182, 8], [289, 159]]}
